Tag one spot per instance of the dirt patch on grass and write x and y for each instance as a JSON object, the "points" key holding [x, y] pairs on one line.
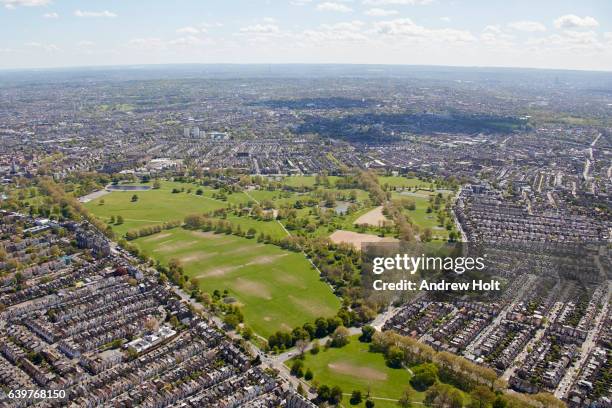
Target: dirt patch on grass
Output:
{"points": [[157, 237], [171, 247], [253, 288], [196, 257], [220, 271], [357, 239], [290, 280], [353, 370], [374, 217], [241, 250], [266, 259]]}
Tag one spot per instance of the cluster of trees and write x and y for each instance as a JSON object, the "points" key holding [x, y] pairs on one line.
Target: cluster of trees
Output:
{"points": [[330, 395], [146, 231], [233, 316], [71, 208], [196, 221], [369, 182], [297, 369], [118, 220], [322, 327], [435, 372]]}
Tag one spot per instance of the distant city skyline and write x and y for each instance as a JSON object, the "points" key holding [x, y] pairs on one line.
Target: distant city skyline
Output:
{"points": [[533, 34]]}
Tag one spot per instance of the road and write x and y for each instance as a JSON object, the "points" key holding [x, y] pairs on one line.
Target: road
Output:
{"points": [[469, 350], [589, 344], [530, 345]]}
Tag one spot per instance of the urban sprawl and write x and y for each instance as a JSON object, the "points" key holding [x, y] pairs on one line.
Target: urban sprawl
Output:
{"points": [[172, 237]]}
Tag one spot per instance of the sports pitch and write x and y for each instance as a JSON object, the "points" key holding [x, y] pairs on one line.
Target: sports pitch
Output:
{"points": [[354, 367], [277, 289]]}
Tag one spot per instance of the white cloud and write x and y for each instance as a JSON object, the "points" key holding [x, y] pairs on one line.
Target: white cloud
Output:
{"points": [[379, 12], [11, 4], [570, 21], [105, 13], [85, 44], [493, 29], [190, 30], [51, 15], [445, 19], [405, 27], [260, 29], [42, 46], [158, 44], [585, 42], [338, 7], [527, 26], [396, 2], [494, 36], [330, 33], [187, 41]]}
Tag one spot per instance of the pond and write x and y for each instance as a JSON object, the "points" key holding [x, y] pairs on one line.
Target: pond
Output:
{"points": [[127, 187]]}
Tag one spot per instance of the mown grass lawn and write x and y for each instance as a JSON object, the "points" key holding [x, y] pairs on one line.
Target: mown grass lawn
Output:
{"points": [[153, 206], [277, 289], [402, 182], [354, 367]]}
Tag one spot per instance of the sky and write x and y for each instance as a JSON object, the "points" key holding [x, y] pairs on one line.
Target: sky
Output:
{"points": [[558, 34]]}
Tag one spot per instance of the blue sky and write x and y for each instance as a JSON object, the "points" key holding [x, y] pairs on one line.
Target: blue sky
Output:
{"points": [[535, 33]]}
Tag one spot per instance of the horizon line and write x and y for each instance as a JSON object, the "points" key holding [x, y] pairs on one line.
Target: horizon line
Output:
{"points": [[328, 64]]}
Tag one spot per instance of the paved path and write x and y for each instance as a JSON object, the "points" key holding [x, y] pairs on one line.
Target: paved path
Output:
{"points": [[92, 196]]}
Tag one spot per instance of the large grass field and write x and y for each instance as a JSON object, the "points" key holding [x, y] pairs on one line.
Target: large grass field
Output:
{"points": [[153, 206], [354, 367], [402, 182], [277, 289], [419, 215]]}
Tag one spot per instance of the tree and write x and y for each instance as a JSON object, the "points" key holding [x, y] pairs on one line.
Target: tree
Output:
{"points": [[247, 333], [308, 375], [366, 334], [231, 320], [369, 403], [340, 337], [134, 198], [405, 400], [301, 345], [315, 348], [481, 397], [101, 202], [119, 220], [174, 322], [156, 185], [425, 376], [152, 324], [323, 392], [395, 357], [427, 235], [297, 368], [499, 402], [321, 327], [335, 395], [356, 397]]}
